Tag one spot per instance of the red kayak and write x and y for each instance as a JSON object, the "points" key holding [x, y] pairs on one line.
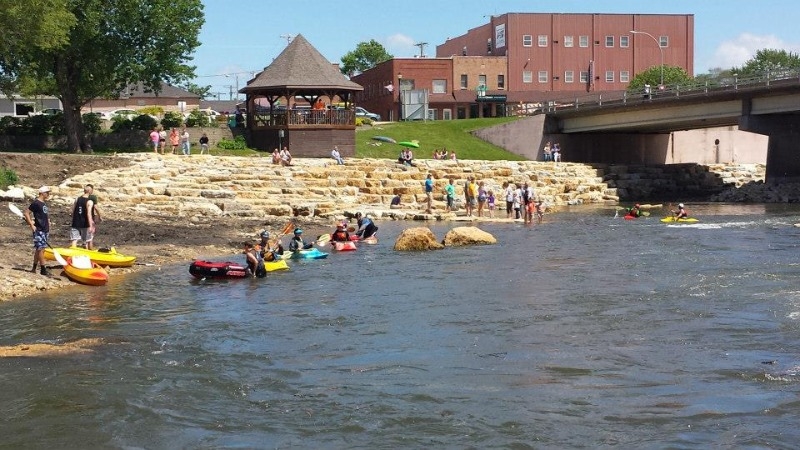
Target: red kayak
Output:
{"points": [[344, 246], [629, 217], [208, 269]]}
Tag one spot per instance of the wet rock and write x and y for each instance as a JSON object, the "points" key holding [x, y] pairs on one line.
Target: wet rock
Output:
{"points": [[459, 236], [416, 239]]}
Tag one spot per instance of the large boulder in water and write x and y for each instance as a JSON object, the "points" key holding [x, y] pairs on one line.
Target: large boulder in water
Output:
{"points": [[419, 238], [468, 236]]}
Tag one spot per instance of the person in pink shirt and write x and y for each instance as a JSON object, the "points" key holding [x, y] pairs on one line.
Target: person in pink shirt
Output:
{"points": [[154, 139]]}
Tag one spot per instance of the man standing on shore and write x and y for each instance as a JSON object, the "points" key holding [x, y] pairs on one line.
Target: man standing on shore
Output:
{"points": [[82, 219], [39, 220]]}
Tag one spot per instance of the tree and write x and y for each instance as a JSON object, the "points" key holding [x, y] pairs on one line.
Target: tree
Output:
{"points": [[768, 59], [673, 75], [203, 91], [114, 44], [366, 56]]}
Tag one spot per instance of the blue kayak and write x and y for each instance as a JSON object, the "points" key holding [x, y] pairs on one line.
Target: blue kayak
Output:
{"points": [[312, 253]]}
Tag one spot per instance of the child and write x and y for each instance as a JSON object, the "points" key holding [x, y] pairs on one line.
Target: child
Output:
{"points": [[490, 201]]}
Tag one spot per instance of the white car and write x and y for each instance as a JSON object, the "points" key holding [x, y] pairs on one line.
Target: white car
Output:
{"points": [[212, 115], [124, 113]]}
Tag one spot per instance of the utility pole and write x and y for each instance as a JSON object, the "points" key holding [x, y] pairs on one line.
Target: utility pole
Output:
{"points": [[421, 46]]}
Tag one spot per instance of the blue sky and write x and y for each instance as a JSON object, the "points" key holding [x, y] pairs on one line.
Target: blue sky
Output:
{"points": [[243, 36]]}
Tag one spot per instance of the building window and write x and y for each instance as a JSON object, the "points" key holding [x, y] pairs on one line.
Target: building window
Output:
{"points": [[584, 76], [542, 40], [482, 80], [583, 41], [609, 76], [569, 76], [609, 41], [439, 86], [624, 41], [527, 40], [464, 80], [624, 76], [527, 76], [23, 108], [501, 82], [568, 41], [543, 76], [663, 41]]}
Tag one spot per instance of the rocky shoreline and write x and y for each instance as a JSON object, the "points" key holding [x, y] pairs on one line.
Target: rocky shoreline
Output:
{"points": [[171, 209]]}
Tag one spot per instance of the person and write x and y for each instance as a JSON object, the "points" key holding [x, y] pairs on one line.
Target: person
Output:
{"points": [[162, 140], [95, 213], [204, 143], [268, 252], [286, 157], [395, 204], [276, 156], [366, 228], [490, 201], [429, 193], [185, 145], [82, 219], [547, 152], [297, 243], [527, 200], [450, 193], [340, 234], [239, 118], [635, 211], [482, 196], [517, 202], [556, 152], [255, 264], [453, 156], [470, 194], [508, 190], [174, 140], [406, 157], [539, 211], [38, 218], [336, 155], [681, 212], [154, 139]]}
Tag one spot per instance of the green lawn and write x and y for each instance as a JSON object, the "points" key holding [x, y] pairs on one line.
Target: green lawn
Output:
{"points": [[452, 134]]}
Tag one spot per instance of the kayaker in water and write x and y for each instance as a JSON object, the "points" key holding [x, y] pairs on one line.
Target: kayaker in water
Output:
{"points": [[681, 212], [341, 234], [635, 211], [255, 264], [366, 228], [297, 243], [268, 252]]}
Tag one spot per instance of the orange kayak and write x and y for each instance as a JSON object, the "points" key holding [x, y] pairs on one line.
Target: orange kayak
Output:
{"points": [[81, 269]]}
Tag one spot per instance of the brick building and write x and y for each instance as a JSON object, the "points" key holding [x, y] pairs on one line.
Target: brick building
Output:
{"points": [[521, 59]]}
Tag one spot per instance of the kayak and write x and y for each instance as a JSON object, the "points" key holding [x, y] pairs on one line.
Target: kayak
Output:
{"points": [[686, 220], [311, 253], [209, 269], [272, 266], [629, 217], [344, 246], [370, 240], [104, 257], [81, 269]]}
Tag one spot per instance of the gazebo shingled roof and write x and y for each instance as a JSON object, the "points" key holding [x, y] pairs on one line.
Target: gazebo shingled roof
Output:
{"points": [[300, 67]]}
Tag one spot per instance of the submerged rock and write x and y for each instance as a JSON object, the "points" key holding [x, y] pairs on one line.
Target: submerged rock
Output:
{"points": [[418, 238]]}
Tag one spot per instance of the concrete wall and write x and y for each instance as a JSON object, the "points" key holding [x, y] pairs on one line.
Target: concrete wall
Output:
{"points": [[128, 140]]}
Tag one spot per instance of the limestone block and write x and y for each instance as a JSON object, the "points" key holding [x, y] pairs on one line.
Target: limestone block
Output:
{"points": [[207, 193], [14, 194], [459, 236], [228, 206], [417, 239]]}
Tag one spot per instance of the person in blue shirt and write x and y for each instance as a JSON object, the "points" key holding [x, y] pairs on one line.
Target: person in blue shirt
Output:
{"points": [[366, 228], [297, 243], [429, 193]]}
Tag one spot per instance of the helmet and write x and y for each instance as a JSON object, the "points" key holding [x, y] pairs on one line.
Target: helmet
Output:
{"points": [[680, 205], [298, 231], [265, 234]]}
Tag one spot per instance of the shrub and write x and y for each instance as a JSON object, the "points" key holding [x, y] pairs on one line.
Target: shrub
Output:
{"points": [[144, 122], [155, 111], [92, 122], [237, 143], [197, 119], [7, 178], [171, 120], [120, 123], [10, 125]]}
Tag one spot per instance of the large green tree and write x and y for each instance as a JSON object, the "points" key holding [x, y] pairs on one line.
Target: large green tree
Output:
{"points": [[768, 59], [366, 56], [673, 75], [113, 44]]}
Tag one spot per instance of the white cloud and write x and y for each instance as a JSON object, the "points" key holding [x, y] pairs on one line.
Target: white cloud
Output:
{"points": [[402, 46], [739, 50]]}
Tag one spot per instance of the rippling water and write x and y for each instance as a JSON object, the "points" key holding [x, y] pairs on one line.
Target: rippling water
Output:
{"points": [[585, 331]]}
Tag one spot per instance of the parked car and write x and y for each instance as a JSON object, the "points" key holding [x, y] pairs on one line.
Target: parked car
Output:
{"points": [[361, 112], [47, 112], [212, 115], [125, 113]]}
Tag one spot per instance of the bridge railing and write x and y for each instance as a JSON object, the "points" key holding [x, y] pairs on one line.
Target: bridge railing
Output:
{"points": [[771, 78]]}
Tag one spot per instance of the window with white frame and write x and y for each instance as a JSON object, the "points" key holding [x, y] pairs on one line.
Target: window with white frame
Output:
{"points": [[527, 76], [439, 86], [569, 76], [543, 76], [663, 41], [609, 41], [624, 41], [568, 41], [583, 41], [609, 76], [624, 76], [584, 76], [527, 40], [542, 40]]}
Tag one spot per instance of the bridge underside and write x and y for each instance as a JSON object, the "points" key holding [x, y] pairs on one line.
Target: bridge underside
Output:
{"points": [[783, 150]]}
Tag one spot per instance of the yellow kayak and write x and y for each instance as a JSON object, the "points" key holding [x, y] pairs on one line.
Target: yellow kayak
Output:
{"points": [[108, 258], [275, 265], [684, 220]]}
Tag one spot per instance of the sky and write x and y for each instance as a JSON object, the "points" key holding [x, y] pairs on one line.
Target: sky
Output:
{"points": [[241, 37]]}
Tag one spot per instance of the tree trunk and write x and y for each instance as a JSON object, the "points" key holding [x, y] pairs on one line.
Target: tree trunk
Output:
{"points": [[73, 122]]}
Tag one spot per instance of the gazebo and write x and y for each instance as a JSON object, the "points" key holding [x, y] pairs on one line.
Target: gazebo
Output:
{"points": [[303, 102]]}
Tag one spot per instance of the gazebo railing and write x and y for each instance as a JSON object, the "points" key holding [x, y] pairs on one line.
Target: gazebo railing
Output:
{"points": [[304, 117]]}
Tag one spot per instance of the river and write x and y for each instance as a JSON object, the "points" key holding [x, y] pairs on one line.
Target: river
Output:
{"points": [[586, 331]]}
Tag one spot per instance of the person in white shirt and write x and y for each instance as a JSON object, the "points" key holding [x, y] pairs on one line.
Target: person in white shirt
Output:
{"points": [[185, 145], [336, 155]]}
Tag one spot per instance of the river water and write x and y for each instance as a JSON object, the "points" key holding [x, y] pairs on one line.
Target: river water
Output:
{"points": [[586, 331]]}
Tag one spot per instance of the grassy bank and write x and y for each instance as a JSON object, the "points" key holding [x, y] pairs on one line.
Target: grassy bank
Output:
{"points": [[451, 134]]}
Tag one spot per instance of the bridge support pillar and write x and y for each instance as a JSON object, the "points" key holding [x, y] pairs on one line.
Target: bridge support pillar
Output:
{"points": [[783, 150]]}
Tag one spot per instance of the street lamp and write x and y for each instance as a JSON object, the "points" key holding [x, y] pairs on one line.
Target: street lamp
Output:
{"points": [[400, 96], [237, 84], [660, 48]]}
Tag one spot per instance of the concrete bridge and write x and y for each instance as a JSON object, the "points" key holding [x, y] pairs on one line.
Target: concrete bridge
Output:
{"points": [[625, 129]]}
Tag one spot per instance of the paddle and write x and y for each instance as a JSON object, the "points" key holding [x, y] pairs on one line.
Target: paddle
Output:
{"points": [[16, 210], [323, 239], [57, 255]]}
